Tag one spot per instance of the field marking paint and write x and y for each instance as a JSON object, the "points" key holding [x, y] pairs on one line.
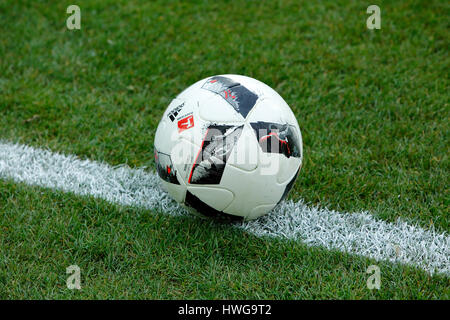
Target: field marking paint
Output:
{"points": [[355, 233]]}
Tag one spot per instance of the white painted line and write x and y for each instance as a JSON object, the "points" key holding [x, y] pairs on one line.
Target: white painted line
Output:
{"points": [[356, 233]]}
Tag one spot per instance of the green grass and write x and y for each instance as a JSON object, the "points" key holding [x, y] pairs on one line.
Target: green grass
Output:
{"points": [[372, 106], [133, 253]]}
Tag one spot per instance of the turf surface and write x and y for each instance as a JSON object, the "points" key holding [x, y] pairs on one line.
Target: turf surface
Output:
{"points": [[372, 106]]}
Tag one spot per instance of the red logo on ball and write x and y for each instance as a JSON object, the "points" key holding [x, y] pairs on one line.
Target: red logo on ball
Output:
{"points": [[186, 123]]}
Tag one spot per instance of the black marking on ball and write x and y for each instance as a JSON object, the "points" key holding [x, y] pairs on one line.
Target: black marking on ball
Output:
{"points": [[289, 186], [165, 168], [174, 112], [237, 95], [214, 153], [277, 138]]}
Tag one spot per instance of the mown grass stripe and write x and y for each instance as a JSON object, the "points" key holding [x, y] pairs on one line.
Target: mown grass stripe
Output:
{"points": [[355, 233]]}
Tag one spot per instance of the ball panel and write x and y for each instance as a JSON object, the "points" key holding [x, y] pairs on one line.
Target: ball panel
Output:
{"points": [[176, 191], [195, 203], [289, 186], [218, 198], [245, 153], [266, 110], [162, 131], [287, 170], [251, 189], [214, 109]]}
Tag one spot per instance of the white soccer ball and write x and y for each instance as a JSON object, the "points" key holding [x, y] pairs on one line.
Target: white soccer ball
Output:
{"points": [[228, 147]]}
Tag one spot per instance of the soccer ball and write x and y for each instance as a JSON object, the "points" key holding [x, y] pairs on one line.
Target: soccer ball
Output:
{"points": [[228, 147]]}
